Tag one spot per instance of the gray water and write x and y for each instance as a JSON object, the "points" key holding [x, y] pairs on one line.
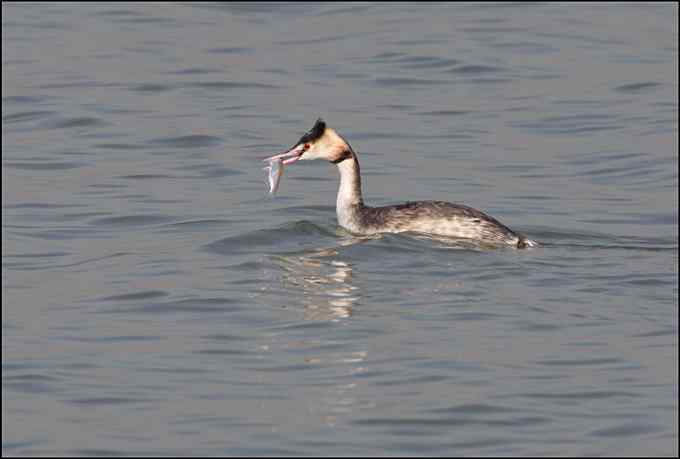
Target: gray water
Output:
{"points": [[155, 299]]}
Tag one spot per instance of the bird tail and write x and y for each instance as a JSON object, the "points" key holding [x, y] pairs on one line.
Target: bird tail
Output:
{"points": [[524, 243]]}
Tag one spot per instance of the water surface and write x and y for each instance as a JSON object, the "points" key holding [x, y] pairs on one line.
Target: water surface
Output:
{"points": [[155, 299]]}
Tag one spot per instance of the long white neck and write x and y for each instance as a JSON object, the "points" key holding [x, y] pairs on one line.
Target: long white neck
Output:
{"points": [[350, 202]]}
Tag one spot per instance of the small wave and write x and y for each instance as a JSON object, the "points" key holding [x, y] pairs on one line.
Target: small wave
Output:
{"points": [[226, 85], [132, 220], [79, 122], [188, 141], [231, 50], [151, 88], [31, 115], [208, 225], [426, 62], [591, 240], [193, 71], [635, 88], [475, 70], [45, 166], [136, 296], [192, 305], [289, 237], [402, 81]]}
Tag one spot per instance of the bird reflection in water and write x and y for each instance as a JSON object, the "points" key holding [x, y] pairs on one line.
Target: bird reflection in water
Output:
{"points": [[323, 285], [324, 281]]}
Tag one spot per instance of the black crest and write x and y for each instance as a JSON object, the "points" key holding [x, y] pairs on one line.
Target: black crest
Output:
{"points": [[315, 133]]}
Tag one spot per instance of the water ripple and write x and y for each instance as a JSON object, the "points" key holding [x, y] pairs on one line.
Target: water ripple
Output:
{"points": [[635, 88], [44, 165], [79, 122], [197, 305], [131, 221], [230, 85], [231, 50], [151, 88], [22, 117], [96, 401], [402, 81], [188, 141], [294, 236], [583, 396], [627, 430], [475, 70], [272, 331], [137, 296]]}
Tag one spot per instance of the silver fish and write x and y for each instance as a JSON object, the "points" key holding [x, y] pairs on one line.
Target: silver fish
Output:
{"points": [[275, 170]]}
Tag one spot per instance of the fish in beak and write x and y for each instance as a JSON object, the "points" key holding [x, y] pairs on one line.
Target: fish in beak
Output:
{"points": [[277, 162], [293, 154], [274, 172]]}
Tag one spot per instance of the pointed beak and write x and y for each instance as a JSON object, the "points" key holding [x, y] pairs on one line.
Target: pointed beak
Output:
{"points": [[288, 157]]}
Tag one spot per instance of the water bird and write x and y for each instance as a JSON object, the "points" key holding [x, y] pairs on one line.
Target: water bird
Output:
{"points": [[430, 217]]}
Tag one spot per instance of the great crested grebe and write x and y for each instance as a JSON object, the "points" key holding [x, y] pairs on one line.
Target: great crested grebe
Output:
{"points": [[432, 217]]}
